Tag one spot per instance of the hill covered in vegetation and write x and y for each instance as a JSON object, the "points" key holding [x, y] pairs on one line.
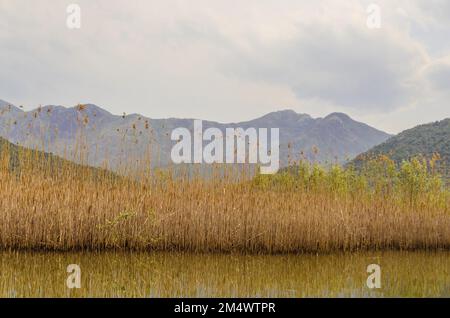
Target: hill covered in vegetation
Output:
{"points": [[21, 160], [425, 140]]}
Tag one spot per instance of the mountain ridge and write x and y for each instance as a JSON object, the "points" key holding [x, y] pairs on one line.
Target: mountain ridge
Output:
{"points": [[57, 129]]}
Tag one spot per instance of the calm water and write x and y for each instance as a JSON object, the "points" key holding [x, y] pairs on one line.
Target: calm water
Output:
{"points": [[186, 275]]}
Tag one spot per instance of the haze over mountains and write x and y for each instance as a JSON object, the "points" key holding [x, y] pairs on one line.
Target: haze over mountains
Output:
{"points": [[102, 137]]}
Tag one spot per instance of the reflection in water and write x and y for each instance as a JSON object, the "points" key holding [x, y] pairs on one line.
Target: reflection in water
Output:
{"points": [[404, 274]]}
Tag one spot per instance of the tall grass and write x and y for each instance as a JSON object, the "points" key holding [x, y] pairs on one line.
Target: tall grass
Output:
{"points": [[64, 206]]}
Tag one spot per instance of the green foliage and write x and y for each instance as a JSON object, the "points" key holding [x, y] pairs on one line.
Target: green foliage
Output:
{"points": [[413, 182], [425, 140]]}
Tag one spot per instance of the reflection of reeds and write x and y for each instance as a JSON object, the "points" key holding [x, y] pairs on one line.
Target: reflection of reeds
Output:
{"points": [[62, 206], [117, 274]]}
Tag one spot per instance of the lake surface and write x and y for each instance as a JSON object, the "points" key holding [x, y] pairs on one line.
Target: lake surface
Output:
{"points": [[112, 274]]}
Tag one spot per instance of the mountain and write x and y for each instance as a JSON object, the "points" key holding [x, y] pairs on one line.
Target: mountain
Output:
{"points": [[50, 165], [8, 109], [424, 140], [92, 135]]}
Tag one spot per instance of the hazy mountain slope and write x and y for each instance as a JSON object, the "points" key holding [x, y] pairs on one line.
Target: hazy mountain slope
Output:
{"points": [[338, 138], [421, 140], [46, 163], [104, 139]]}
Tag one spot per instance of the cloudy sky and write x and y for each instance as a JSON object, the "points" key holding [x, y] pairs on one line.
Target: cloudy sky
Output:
{"points": [[229, 60]]}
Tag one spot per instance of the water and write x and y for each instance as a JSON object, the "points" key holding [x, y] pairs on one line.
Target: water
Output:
{"points": [[112, 274]]}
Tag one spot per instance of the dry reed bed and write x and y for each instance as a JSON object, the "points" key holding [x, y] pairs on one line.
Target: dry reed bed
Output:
{"points": [[69, 209]]}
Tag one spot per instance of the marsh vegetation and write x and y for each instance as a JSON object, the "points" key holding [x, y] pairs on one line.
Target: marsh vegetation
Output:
{"points": [[314, 209], [308, 231]]}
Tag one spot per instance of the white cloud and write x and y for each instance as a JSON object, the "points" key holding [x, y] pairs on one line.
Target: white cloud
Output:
{"points": [[351, 67], [230, 60], [438, 75]]}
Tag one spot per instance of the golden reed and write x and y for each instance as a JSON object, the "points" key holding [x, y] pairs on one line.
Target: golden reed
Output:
{"points": [[50, 204]]}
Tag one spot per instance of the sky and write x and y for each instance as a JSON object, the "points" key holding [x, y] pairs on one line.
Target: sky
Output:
{"points": [[229, 60]]}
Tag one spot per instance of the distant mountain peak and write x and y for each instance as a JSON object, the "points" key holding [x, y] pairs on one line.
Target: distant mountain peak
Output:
{"points": [[284, 112], [285, 115], [339, 116], [8, 106], [91, 108]]}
